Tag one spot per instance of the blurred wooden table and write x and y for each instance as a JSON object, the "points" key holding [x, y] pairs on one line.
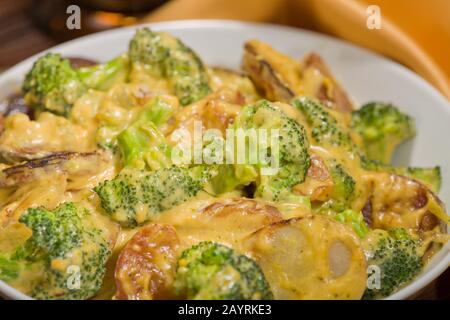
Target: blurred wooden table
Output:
{"points": [[19, 39]]}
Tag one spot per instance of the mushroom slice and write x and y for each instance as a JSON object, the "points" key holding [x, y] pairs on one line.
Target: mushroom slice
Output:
{"points": [[313, 257], [395, 201], [146, 266]]}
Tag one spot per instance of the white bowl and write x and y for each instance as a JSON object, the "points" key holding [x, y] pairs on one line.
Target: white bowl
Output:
{"points": [[365, 75]]}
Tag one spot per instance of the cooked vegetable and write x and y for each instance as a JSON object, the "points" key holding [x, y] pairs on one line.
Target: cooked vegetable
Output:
{"points": [[53, 85], [213, 271], [325, 129], [163, 55], [431, 177], [293, 158], [153, 252], [136, 196], [355, 220], [314, 257], [281, 78], [395, 253], [142, 144], [66, 250], [343, 184], [382, 128]]}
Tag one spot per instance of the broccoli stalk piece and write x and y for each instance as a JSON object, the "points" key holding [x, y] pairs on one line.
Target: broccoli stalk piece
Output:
{"points": [[355, 220], [213, 271], [53, 85], [136, 196], [382, 128], [162, 55], [395, 253], [292, 151], [142, 144], [66, 252], [103, 76]]}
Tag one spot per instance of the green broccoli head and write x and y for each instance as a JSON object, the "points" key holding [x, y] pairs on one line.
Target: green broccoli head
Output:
{"points": [[53, 85], [142, 144], [292, 151], [66, 254], [343, 184], [211, 271], [382, 128], [136, 196], [325, 129], [395, 253], [163, 55]]}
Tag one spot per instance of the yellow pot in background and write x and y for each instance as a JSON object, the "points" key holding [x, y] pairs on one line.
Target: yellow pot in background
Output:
{"points": [[416, 33]]}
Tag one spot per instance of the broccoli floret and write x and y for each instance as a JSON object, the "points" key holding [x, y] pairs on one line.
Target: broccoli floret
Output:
{"points": [[293, 156], [66, 250], [343, 184], [395, 253], [163, 55], [211, 271], [230, 177], [136, 196], [9, 268], [104, 76], [355, 220], [382, 128], [142, 144], [53, 85], [325, 130]]}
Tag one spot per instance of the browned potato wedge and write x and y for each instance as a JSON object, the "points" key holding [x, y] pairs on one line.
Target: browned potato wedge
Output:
{"points": [[79, 167], [310, 258], [318, 185], [281, 78], [275, 74], [235, 80], [147, 264], [396, 201], [328, 90]]}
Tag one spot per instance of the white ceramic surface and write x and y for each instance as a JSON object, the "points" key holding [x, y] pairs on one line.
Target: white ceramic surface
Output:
{"points": [[365, 75]]}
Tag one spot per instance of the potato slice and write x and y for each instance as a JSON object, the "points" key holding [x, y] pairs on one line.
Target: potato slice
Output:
{"points": [[146, 266], [226, 221], [310, 258], [394, 201]]}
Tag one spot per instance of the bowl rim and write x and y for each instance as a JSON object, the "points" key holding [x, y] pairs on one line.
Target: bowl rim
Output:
{"points": [[413, 288]]}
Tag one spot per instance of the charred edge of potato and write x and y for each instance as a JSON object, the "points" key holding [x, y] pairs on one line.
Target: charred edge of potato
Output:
{"points": [[264, 76], [340, 99], [25, 172]]}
